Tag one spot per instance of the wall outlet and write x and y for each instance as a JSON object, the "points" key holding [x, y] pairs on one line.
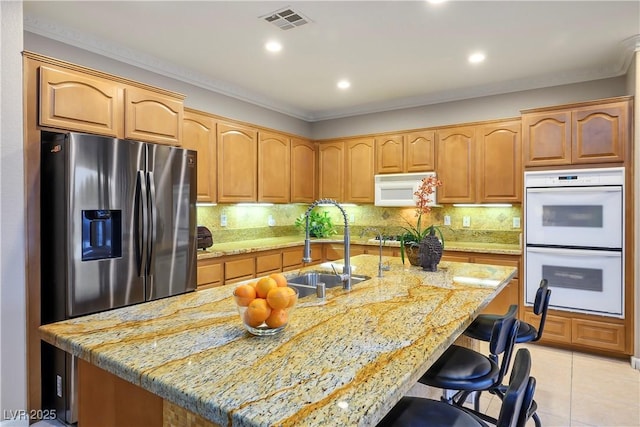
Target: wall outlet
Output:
{"points": [[223, 220], [516, 222], [466, 221], [447, 220], [271, 222], [352, 218]]}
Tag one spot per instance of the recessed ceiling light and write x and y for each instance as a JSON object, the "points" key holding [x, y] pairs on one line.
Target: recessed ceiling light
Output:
{"points": [[476, 57], [344, 84], [273, 46], [436, 1]]}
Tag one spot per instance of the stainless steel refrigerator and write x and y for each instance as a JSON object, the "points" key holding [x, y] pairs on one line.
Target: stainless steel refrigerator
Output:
{"points": [[118, 226]]}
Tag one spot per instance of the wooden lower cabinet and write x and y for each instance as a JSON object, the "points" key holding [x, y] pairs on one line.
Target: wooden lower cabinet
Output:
{"points": [[269, 263], [584, 332], [334, 251], [292, 257], [210, 273], [237, 270]]}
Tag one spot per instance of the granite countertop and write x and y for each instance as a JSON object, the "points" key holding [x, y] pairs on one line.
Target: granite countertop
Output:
{"points": [[342, 361], [256, 245]]}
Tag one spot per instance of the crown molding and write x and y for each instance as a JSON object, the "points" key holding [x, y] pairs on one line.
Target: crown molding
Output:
{"points": [[165, 68]]}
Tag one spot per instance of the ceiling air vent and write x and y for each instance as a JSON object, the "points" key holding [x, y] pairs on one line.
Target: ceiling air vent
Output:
{"points": [[286, 18]]}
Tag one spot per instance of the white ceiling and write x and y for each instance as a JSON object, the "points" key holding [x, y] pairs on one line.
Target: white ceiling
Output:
{"points": [[396, 53]]}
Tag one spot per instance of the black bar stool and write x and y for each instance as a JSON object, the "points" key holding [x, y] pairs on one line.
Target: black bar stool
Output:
{"points": [[419, 412], [482, 326], [460, 368]]}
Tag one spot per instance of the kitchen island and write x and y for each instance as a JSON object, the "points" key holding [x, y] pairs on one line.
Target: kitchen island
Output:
{"points": [[342, 361]]}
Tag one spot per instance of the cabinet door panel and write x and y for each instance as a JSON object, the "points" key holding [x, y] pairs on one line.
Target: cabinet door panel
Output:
{"points": [[270, 263], [237, 163], [274, 167], [303, 171], [556, 328], [360, 170], [420, 151], [546, 138], [389, 154], [75, 101], [500, 163], [152, 117], [599, 134], [331, 170], [209, 274], [455, 155], [602, 335], [239, 269], [199, 134]]}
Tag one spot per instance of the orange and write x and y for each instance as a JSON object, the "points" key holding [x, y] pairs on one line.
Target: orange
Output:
{"points": [[277, 318], [279, 278], [264, 286], [253, 284], [244, 294], [293, 297], [257, 312], [278, 297]]}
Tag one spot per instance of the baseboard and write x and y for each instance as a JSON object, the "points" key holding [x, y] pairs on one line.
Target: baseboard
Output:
{"points": [[635, 362]]}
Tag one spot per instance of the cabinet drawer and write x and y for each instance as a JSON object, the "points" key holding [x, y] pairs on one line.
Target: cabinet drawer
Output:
{"points": [[240, 268], [602, 335], [454, 257], [292, 258], [268, 263], [209, 274]]}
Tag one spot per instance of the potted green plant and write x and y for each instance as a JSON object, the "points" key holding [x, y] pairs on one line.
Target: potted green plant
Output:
{"points": [[320, 224], [413, 235]]}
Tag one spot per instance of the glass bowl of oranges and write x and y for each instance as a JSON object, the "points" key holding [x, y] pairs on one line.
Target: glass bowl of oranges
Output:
{"points": [[265, 305]]}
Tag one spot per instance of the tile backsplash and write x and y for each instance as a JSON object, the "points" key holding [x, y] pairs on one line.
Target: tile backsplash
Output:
{"points": [[486, 224]]}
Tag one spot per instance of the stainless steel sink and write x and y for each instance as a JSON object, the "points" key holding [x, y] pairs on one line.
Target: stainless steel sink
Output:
{"points": [[306, 283]]}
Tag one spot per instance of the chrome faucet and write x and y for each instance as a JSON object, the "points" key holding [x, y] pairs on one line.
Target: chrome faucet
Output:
{"points": [[379, 234], [306, 256]]}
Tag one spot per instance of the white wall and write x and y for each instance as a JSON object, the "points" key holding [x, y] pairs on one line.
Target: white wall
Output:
{"points": [[13, 346], [470, 110], [197, 98]]}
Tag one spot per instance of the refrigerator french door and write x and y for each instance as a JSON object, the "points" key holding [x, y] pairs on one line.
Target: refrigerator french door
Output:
{"points": [[118, 226]]}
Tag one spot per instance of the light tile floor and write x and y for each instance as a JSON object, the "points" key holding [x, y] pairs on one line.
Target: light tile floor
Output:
{"points": [[574, 389]]}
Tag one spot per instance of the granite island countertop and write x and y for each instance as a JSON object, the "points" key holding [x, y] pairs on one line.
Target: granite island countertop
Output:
{"points": [[264, 244], [342, 361]]}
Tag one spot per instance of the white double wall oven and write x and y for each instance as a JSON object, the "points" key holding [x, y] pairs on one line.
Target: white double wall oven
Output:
{"points": [[574, 238]]}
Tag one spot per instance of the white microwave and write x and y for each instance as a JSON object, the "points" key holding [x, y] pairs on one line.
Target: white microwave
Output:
{"points": [[396, 189]]}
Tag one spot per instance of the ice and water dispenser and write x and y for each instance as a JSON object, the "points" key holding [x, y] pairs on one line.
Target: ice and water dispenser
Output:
{"points": [[101, 234]]}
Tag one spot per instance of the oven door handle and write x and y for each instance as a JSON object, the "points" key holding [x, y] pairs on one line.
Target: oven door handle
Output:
{"points": [[574, 252], [611, 189]]}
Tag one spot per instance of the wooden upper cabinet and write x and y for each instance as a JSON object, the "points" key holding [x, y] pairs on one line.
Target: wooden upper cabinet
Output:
{"points": [[408, 152], [389, 154], [419, 153], [499, 162], [592, 132], [359, 161], [456, 164], [81, 102], [152, 117], [303, 171], [547, 138], [331, 170], [600, 133], [274, 181], [199, 134], [237, 163]]}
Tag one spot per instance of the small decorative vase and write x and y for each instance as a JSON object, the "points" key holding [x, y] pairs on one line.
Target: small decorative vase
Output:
{"points": [[430, 252], [413, 253]]}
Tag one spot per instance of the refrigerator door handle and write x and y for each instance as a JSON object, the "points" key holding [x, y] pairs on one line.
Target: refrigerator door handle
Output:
{"points": [[141, 223], [153, 224]]}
